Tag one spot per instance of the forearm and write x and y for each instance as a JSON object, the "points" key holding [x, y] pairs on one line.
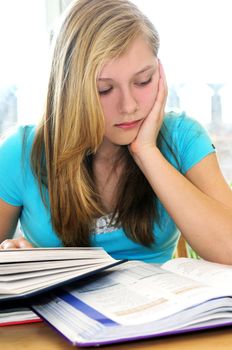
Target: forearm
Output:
{"points": [[9, 216], [204, 222]]}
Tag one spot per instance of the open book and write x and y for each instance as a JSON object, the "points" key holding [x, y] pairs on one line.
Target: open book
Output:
{"points": [[137, 300], [27, 272]]}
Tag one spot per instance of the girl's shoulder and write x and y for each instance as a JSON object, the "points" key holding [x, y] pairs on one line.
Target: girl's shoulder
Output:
{"points": [[15, 171], [178, 128], [185, 140], [17, 138], [179, 122]]}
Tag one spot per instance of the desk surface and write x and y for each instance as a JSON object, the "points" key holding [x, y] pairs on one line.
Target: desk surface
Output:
{"points": [[40, 336]]}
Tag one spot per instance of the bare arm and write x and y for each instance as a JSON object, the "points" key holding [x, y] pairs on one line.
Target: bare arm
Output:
{"points": [[9, 215], [200, 202]]}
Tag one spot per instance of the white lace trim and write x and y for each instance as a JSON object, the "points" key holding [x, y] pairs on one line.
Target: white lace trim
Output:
{"points": [[104, 224]]}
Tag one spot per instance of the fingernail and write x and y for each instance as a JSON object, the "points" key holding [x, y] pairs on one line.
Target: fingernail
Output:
{"points": [[7, 245]]}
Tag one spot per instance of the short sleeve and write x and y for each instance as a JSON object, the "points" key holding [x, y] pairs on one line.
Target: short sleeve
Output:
{"points": [[11, 168], [193, 143]]}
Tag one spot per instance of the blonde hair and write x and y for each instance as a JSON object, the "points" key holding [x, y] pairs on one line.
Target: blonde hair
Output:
{"points": [[72, 127]]}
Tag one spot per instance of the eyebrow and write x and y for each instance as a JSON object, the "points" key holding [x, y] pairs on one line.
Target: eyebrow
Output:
{"points": [[145, 69]]}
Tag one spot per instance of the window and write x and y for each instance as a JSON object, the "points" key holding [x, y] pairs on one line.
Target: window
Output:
{"points": [[23, 60], [195, 51]]}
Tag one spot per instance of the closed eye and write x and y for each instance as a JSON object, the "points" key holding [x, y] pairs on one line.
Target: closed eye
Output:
{"points": [[143, 83], [105, 91]]}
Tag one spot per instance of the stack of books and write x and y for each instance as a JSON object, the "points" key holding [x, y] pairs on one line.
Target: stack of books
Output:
{"points": [[93, 299]]}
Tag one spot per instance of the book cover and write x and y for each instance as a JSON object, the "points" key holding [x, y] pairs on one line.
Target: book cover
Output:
{"points": [[14, 316]]}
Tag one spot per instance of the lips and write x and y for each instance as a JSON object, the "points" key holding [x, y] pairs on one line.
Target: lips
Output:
{"points": [[129, 125]]}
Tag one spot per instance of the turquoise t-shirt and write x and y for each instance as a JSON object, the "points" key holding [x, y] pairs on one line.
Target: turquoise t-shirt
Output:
{"points": [[189, 142]]}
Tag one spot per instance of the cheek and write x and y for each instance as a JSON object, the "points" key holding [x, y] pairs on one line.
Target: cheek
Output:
{"points": [[107, 106], [148, 96]]}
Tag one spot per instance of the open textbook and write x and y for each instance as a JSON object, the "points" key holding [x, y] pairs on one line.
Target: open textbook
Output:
{"points": [[137, 300], [27, 272]]}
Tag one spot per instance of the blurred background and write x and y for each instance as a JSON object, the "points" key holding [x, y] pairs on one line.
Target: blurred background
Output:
{"points": [[195, 51]]}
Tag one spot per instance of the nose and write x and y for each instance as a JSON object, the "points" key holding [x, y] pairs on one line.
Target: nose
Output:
{"points": [[127, 103]]}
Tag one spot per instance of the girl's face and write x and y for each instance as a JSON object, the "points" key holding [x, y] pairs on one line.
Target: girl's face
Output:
{"points": [[127, 87]]}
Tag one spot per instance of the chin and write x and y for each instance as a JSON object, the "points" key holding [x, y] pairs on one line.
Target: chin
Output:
{"points": [[125, 142], [129, 138]]}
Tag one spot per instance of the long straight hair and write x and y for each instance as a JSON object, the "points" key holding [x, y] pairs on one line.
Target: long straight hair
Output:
{"points": [[72, 127]]}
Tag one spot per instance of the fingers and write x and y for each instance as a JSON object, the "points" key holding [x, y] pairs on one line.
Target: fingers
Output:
{"points": [[159, 106], [7, 244], [149, 130], [162, 88], [23, 243], [15, 243]]}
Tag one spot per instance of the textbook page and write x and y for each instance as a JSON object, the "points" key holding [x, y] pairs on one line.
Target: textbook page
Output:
{"points": [[25, 272], [135, 300], [203, 271], [137, 293]]}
